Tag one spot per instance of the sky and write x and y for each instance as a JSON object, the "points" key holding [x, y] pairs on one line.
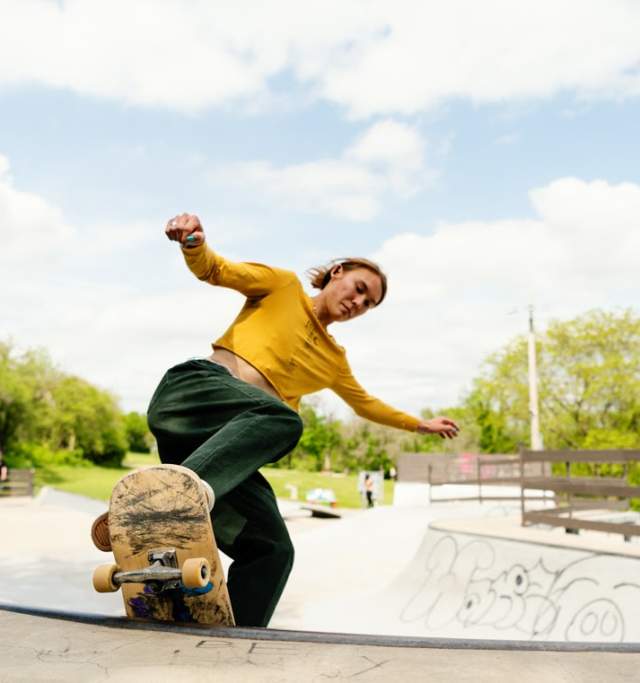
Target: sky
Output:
{"points": [[484, 153]]}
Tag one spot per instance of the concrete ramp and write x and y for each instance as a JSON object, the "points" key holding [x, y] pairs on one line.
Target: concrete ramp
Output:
{"points": [[39, 646], [428, 593], [467, 585]]}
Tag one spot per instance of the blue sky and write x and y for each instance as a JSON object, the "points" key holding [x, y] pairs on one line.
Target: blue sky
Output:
{"points": [[485, 154], [488, 157]]}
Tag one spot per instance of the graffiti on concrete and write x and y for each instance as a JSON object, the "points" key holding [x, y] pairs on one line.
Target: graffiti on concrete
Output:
{"points": [[467, 584]]}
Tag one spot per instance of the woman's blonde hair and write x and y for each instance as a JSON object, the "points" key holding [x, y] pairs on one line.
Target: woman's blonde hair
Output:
{"points": [[321, 275]]}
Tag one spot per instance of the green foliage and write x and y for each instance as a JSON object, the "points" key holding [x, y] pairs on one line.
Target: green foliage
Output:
{"points": [[329, 445], [38, 455], [320, 442], [589, 386], [139, 437], [24, 396], [88, 419], [47, 416], [369, 447], [592, 381], [466, 441]]}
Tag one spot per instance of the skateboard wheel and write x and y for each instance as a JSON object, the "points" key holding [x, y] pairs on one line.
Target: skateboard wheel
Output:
{"points": [[196, 572], [103, 578]]}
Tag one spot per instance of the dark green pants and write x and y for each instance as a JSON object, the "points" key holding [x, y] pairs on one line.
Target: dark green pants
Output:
{"points": [[225, 430]]}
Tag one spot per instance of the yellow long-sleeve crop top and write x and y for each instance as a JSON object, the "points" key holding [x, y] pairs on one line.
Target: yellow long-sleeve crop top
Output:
{"points": [[279, 334]]}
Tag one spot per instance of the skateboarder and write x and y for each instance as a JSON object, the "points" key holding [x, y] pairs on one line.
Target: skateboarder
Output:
{"points": [[227, 415]]}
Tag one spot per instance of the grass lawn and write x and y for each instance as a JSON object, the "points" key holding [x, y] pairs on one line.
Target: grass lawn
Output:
{"points": [[345, 486], [97, 482], [92, 481]]}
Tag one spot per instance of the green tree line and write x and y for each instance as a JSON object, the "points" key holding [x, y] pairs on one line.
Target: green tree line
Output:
{"points": [[48, 416], [589, 387]]}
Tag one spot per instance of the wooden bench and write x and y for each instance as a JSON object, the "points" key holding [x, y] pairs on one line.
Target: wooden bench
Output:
{"points": [[580, 500], [18, 483]]}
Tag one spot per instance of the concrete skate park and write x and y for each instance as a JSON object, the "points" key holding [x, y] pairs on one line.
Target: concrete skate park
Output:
{"points": [[440, 583]]}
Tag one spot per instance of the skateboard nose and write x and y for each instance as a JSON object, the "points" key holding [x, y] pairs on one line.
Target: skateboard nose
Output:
{"points": [[211, 496]]}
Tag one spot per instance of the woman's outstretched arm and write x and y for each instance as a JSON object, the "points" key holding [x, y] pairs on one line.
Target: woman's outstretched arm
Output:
{"points": [[250, 279], [371, 408]]}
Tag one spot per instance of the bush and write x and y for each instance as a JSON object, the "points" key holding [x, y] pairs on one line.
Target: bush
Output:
{"points": [[47, 416], [138, 435], [27, 455]]}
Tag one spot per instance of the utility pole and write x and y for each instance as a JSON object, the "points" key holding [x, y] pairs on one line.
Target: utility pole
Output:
{"points": [[536, 439]]}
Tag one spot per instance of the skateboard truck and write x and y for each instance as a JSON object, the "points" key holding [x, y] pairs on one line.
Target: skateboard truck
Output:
{"points": [[163, 573]]}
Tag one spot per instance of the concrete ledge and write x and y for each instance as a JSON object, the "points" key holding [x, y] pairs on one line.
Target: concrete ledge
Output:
{"points": [[36, 647], [510, 529], [326, 638]]}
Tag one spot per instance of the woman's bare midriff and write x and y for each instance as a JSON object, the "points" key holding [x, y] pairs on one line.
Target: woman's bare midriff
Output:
{"points": [[242, 370]]}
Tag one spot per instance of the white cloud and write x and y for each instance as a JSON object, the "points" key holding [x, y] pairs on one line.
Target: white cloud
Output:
{"points": [[30, 227], [397, 151], [451, 291], [79, 293], [165, 52], [5, 167], [387, 158], [328, 186], [492, 51], [369, 56]]}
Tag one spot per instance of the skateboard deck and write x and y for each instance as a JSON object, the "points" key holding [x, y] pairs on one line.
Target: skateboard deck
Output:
{"points": [[167, 562]]}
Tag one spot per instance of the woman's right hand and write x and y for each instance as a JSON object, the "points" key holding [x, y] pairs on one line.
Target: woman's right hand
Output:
{"points": [[186, 229]]}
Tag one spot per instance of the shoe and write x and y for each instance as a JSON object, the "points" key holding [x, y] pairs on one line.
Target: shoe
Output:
{"points": [[211, 496], [100, 533]]}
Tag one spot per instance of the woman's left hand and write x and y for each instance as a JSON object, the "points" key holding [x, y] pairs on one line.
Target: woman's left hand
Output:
{"points": [[443, 426]]}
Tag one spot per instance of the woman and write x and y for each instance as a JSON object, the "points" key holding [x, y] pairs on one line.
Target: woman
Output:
{"points": [[226, 416]]}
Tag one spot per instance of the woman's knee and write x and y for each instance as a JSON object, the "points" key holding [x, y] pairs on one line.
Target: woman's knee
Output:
{"points": [[284, 553], [153, 419], [283, 423], [291, 425], [296, 426], [157, 421], [156, 412]]}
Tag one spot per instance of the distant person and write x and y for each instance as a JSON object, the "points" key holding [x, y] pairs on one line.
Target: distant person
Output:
{"points": [[4, 470], [227, 415], [368, 489], [393, 474]]}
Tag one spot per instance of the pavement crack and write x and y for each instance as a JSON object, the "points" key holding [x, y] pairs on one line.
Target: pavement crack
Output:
{"points": [[377, 665]]}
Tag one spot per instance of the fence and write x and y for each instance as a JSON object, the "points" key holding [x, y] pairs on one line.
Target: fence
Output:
{"points": [[466, 469], [17, 483], [588, 497]]}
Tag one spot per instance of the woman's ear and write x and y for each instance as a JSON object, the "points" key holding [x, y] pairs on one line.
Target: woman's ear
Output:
{"points": [[337, 271]]}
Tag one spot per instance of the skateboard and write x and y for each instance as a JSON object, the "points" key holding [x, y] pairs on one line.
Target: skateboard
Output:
{"points": [[166, 559]]}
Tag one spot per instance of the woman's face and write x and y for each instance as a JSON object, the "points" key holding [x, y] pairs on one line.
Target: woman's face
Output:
{"points": [[351, 293]]}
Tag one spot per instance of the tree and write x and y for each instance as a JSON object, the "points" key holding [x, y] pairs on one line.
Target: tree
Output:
{"points": [[466, 441], [589, 386], [138, 435], [370, 446], [25, 393], [88, 419], [48, 416], [320, 440]]}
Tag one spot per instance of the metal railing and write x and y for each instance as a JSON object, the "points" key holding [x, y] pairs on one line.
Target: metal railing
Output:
{"points": [[466, 469], [580, 500], [18, 483]]}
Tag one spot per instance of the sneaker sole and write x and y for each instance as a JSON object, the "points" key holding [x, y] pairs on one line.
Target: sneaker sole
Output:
{"points": [[100, 533]]}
